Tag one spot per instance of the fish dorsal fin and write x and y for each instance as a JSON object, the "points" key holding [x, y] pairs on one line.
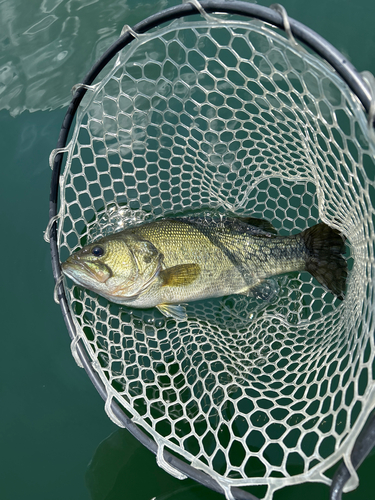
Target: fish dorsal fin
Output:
{"points": [[180, 275], [263, 225], [235, 224]]}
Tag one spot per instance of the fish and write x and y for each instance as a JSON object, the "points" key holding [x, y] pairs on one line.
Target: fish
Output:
{"points": [[169, 262]]}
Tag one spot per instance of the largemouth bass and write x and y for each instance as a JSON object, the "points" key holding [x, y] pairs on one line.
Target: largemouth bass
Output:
{"points": [[169, 262]]}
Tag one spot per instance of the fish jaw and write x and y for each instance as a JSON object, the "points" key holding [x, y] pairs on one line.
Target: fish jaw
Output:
{"points": [[98, 278], [86, 273]]}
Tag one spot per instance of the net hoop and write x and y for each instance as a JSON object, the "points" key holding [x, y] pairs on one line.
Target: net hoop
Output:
{"points": [[357, 85]]}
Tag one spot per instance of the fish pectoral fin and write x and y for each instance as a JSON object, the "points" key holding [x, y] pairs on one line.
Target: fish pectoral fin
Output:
{"points": [[180, 275], [176, 311]]}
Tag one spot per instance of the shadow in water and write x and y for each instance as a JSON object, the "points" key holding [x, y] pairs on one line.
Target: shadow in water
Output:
{"points": [[122, 468]]}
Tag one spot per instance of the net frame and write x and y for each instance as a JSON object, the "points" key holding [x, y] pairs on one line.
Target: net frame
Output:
{"points": [[354, 81]]}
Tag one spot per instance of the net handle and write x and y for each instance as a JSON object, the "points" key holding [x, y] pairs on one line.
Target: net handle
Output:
{"points": [[362, 447], [300, 32]]}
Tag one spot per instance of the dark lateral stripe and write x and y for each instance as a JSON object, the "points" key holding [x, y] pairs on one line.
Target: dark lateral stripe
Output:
{"points": [[208, 231]]}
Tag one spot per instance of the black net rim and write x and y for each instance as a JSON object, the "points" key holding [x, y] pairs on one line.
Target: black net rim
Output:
{"points": [[349, 75]]}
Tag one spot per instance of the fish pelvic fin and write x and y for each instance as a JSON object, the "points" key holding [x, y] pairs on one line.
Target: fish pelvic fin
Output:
{"points": [[326, 246], [176, 311]]}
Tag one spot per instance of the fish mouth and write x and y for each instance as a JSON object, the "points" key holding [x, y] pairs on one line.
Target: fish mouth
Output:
{"points": [[76, 269]]}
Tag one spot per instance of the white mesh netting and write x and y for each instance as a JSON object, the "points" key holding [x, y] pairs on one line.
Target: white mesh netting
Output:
{"points": [[230, 117]]}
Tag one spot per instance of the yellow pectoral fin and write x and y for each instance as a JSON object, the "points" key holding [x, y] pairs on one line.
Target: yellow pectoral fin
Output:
{"points": [[180, 275]]}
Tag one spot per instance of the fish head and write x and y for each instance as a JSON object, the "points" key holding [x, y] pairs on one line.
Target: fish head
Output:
{"points": [[114, 267]]}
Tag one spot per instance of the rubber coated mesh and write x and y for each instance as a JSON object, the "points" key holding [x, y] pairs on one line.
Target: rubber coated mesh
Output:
{"points": [[230, 117]]}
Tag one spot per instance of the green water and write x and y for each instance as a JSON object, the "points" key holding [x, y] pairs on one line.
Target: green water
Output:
{"points": [[56, 441]]}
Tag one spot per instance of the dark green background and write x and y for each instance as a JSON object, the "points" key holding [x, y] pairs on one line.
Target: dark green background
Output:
{"points": [[52, 421]]}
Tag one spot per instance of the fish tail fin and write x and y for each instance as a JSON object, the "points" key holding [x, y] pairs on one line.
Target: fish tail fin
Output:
{"points": [[325, 261]]}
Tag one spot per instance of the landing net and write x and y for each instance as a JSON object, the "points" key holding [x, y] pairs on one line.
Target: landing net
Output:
{"points": [[222, 114]]}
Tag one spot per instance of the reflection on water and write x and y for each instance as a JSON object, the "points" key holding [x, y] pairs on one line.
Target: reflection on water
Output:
{"points": [[120, 462], [48, 49]]}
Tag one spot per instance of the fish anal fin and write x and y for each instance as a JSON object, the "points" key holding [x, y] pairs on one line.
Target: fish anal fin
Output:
{"points": [[266, 290], [177, 311], [181, 275]]}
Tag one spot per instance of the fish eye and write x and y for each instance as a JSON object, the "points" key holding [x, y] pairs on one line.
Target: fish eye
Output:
{"points": [[97, 251]]}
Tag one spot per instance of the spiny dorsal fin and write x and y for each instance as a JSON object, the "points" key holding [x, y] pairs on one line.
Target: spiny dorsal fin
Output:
{"points": [[180, 275]]}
